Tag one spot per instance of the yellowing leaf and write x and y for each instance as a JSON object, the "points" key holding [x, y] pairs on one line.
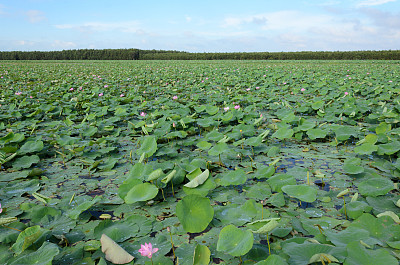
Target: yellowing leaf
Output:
{"points": [[114, 253], [390, 214]]}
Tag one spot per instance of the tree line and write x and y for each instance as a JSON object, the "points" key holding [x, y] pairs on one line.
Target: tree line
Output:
{"points": [[137, 54]]}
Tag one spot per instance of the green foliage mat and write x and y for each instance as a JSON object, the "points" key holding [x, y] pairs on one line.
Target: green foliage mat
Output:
{"points": [[233, 162]]}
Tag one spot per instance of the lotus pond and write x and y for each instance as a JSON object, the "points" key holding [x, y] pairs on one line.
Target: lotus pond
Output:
{"points": [[221, 162]]}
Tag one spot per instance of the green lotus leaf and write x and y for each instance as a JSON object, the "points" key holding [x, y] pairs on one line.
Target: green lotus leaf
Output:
{"points": [[234, 177], [283, 133], [204, 145], [301, 254], [279, 180], [148, 147], [141, 192], [194, 212], [253, 141], [389, 148], [316, 105], [43, 256], [235, 241], [26, 238], [350, 234], [201, 255], [366, 149], [31, 147], [357, 254], [25, 161], [316, 133], [356, 209], [218, 149], [89, 131], [198, 180], [375, 187], [343, 132], [352, 166], [301, 192], [265, 172], [212, 110]]}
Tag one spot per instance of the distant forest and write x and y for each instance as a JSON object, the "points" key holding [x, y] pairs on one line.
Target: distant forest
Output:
{"points": [[136, 54]]}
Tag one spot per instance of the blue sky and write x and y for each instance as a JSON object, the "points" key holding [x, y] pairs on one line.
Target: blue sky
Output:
{"points": [[200, 26]]}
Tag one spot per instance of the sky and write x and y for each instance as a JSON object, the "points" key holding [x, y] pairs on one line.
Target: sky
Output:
{"points": [[200, 26]]}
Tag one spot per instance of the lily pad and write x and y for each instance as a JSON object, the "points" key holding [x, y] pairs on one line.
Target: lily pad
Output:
{"points": [[301, 192], [235, 241]]}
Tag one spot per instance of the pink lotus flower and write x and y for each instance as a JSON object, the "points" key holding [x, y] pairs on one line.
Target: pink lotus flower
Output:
{"points": [[80, 88], [346, 93], [173, 124], [147, 250], [303, 89], [237, 107], [105, 86], [101, 94], [30, 97], [226, 108], [175, 97], [1, 209], [71, 89], [142, 114], [18, 93], [248, 89], [257, 87], [122, 95]]}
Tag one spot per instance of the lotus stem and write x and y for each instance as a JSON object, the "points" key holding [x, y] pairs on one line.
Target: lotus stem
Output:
{"points": [[172, 185], [12, 228], [344, 207], [172, 243], [269, 246]]}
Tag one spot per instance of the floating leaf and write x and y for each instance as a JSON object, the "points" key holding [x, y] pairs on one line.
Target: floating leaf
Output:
{"points": [[375, 187], [31, 147], [301, 192], [25, 161], [26, 238], [43, 256], [279, 180], [235, 177], [194, 212], [141, 192], [148, 147], [359, 255], [201, 255], [235, 241]]}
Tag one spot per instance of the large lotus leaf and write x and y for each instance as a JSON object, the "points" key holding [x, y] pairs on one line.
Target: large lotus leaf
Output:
{"points": [[279, 180], [382, 228], [127, 186], [356, 209], [148, 147], [218, 149], [344, 237], [253, 141], [366, 149], [301, 254], [234, 177], [375, 187], [316, 133], [312, 225], [359, 255], [31, 147], [316, 105], [212, 110], [194, 212], [26, 238], [204, 145], [383, 127], [352, 166], [201, 255], [265, 172], [301, 192], [139, 171], [214, 135], [66, 140], [43, 256], [283, 133], [240, 214], [259, 191], [343, 133], [25, 161], [305, 125], [389, 148], [89, 131], [141, 192], [8, 235], [235, 241]]}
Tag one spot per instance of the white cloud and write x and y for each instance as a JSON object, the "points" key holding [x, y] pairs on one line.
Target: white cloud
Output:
{"points": [[127, 26], [35, 16], [188, 18], [374, 2], [59, 44]]}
